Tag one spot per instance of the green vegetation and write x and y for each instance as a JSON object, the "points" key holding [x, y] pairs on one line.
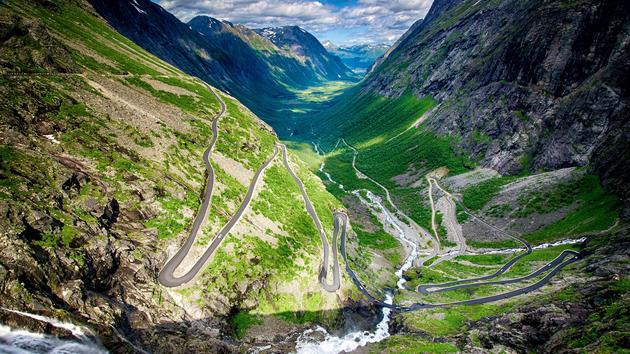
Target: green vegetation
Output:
{"points": [[449, 321], [204, 106], [62, 239], [404, 344], [485, 259], [477, 196], [339, 163], [245, 140], [241, 321], [462, 216], [410, 200], [379, 240], [75, 23], [441, 231], [585, 189], [305, 153], [607, 327], [280, 201], [596, 209], [322, 92], [416, 149], [368, 117], [499, 210], [424, 275], [522, 116], [171, 222]]}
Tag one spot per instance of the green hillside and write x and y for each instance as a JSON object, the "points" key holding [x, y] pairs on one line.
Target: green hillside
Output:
{"points": [[102, 171]]}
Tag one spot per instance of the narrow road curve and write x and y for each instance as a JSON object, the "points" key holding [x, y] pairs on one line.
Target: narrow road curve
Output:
{"points": [[166, 276], [411, 222], [437, 288], [555, 266], [336, 283]]}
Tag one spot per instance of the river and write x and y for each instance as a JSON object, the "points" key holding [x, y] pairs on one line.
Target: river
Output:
{"points": [[332, 344]]}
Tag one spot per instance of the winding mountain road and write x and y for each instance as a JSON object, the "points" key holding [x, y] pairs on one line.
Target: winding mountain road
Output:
{"points": [[167, 276], [336, 283], [410, 221], [552, 268], [340, 222]]}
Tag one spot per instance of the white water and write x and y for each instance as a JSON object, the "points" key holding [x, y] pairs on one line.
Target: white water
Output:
{"points": [[347, 343], [353, 340], [76, 331], [24, 342], [321, 168], [569, 241], [401, 235], [329, 177], [52, 138]]}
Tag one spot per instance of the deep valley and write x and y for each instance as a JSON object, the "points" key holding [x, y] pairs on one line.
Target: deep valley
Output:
{"points": [[201, 186]]}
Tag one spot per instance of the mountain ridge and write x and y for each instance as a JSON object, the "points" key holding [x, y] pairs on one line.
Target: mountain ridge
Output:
{"points": [[225, 55], [303, 44]]}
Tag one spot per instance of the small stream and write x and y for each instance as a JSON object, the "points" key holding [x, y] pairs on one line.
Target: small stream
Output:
{"points": [[401, 236], [570, 241], [332, 344]]}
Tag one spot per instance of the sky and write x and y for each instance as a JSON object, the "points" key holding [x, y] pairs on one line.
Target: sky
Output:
{"points": [[344, 22]]}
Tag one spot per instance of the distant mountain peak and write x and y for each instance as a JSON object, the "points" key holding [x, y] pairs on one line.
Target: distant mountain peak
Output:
{"points": [[304, 45], [358, 57], [329, 45], [210, 22]]}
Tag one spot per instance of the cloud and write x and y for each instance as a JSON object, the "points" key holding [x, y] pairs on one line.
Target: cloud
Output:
{"points": [[372, 20]]}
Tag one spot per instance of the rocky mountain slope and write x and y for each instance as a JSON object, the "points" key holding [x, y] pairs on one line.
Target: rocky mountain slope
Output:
{"points": [[231, 57], [358, 57], [101, 173], [248, 46], [305, 46], [518, 91]]}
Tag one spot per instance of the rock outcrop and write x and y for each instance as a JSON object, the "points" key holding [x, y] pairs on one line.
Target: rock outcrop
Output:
{"points": [[526, 85]]}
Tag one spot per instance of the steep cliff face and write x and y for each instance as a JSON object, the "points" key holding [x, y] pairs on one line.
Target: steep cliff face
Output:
{"points": [[526, 85], [162, 34], [247, 47]]}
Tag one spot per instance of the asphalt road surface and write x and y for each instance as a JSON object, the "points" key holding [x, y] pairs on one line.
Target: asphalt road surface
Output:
{"points": [[166, 276], [340, 221], [336, 283]]}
